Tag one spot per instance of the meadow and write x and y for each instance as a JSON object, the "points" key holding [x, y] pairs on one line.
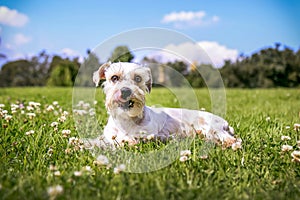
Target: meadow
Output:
{"points": [[42, 156]]}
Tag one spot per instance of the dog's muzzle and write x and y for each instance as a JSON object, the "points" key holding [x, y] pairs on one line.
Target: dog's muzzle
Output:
{"points": [[122, 98]]}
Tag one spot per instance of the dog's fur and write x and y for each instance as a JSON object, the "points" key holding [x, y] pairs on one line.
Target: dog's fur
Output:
{"points": [[130, 120]]}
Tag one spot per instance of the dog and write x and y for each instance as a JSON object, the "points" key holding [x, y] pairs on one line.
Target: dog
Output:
{"points": [[131, 121]]}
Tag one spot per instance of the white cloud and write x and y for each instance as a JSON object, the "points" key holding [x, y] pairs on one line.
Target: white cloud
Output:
{"points": [[12, 17], [207, 52], [188, 18], [68, 52], [20, 39], [218, 53], [183, 16]]}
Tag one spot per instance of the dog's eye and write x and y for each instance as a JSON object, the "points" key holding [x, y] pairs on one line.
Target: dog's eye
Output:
{"points": [[114, 78], [137, 78]]}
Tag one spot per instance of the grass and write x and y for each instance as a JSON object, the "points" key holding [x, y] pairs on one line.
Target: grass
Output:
{"points": [[260, 170]]}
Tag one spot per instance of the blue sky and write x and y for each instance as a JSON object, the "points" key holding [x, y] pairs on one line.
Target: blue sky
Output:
{"points": [[74, 26]]}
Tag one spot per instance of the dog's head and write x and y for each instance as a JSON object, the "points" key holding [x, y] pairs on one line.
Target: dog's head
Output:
{"points": [[125, 87]]}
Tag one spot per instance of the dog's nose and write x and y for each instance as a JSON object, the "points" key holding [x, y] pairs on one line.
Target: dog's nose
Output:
{"points": [[125, 92]]}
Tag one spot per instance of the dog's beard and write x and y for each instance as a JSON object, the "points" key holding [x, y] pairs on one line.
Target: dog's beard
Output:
{"points": [[131, 107]]}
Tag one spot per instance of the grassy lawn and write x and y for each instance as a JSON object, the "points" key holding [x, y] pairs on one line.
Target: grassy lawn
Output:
{"points": [[39, 161]]}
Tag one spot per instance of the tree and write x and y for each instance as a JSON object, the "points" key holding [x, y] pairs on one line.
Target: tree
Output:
{"points": [[64, 72], [89, 65], [121, 54]]}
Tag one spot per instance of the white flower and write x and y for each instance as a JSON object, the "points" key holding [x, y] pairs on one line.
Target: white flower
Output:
{"points": [[237, 145], [54, 191], [29, 132], [95, 102], [65, 113], [57, 173], [92, 112], [101, 160], [73, 140], [86, 106], [29, 108], [4, 112], [62, 118], [150, 137], [87, 168], [296, 156], [2, 105], [268, 119], [286, 148], [119, 169], [52, 167], [8, 118], [50, 108], [185, 153], [80, 103], [80, 112], [55, 103], [34, 104], [14, 106], [297, 127], [77, 173], [183, 158], [54, 124], [66, 133], [50, 151], [287, 127], [31, 115], [285, 137]]}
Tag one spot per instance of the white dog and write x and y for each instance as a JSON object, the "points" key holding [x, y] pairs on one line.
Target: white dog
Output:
{"points": [[131, 120]]}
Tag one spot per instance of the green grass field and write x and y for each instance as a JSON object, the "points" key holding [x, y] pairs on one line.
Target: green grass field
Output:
{"points": [[36, 157]]}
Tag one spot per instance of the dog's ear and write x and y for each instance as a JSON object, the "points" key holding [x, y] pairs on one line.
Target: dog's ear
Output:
{"points": [[100, 73], [149, 82]]}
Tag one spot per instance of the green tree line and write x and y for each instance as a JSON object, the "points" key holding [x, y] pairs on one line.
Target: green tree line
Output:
{"points": [[270, 67]]}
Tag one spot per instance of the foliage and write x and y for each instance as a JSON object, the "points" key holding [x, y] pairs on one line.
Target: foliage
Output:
{"points": [[270, 67], [32, 163], [121, 54], [63, 73]]}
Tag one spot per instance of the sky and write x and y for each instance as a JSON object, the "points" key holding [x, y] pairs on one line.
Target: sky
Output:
{"points": [[224, 29]]}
